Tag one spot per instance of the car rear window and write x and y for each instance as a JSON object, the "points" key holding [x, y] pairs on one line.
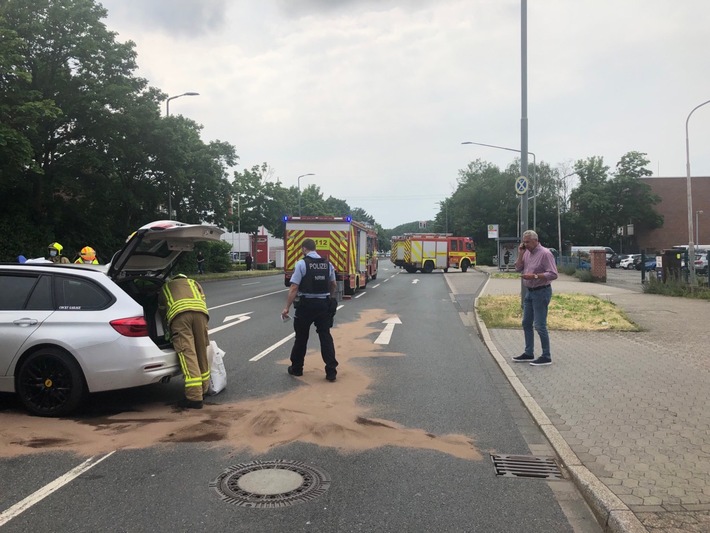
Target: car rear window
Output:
{"points": [[78, 294]]}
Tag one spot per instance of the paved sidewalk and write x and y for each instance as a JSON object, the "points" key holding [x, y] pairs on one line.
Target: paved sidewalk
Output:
{"points": [[628, 413]]}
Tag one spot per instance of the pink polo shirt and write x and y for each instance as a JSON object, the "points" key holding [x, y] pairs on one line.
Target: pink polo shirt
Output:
{"points": [[539, 261]]}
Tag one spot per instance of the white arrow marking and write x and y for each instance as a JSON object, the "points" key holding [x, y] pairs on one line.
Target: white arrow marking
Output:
{"points": [[272, 348], [238, 319], [386, 334], [415, 281]]}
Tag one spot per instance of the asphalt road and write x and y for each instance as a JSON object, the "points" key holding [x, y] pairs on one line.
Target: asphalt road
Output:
{"points": [[402, 439]]}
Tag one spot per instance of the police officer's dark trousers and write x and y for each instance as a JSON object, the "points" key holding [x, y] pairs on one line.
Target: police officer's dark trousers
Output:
{"points": [[313, 311]]}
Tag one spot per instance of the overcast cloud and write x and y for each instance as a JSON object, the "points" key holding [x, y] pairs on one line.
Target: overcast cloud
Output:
{"points": [[375, 97]]}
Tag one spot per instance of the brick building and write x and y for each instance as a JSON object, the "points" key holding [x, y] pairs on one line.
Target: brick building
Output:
{"points": [[674, 208]]}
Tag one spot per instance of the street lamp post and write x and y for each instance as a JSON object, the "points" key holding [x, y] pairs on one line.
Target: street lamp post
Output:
{"points": [[167, 114], [299, 191], [534, 178], [697, 226], [691, 244]]}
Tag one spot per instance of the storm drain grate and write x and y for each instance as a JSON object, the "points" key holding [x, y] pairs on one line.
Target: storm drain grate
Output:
{"points": [[270, 484], [526, 466]]}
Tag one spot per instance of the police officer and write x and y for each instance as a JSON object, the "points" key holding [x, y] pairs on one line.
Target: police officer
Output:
{"points": [[314, 289], [183, 301]]}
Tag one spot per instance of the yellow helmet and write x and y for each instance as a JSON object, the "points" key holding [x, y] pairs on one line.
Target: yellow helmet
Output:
{"points": [[88, 253], [56, 246]]}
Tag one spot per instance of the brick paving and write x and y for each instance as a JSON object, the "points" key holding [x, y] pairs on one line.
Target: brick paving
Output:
{"points": [[633, 407]]}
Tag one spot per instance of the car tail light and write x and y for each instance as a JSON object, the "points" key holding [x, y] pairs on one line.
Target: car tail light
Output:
{"points": [[131, 327]]}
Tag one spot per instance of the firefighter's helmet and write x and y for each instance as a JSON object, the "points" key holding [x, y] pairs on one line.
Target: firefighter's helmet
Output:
{"points": [[88, 253], [56, 246]]}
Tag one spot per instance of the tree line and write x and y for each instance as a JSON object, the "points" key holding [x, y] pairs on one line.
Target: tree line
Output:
{"points": [[87, 157]]}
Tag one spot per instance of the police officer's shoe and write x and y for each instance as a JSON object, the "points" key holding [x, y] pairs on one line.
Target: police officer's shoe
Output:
{"points": [[295, 372], [190, 404], [330, 377]]}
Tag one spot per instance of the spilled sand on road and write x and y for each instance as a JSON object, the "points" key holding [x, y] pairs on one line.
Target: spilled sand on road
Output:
{"points": [[318, 412]]}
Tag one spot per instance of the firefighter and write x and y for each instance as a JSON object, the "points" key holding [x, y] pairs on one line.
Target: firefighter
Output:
{"points": [[313, 281], [87, 255], [54, 252], [183, 302]]}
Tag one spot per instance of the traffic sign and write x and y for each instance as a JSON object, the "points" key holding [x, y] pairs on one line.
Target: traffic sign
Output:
{"points": [[521, 185]]}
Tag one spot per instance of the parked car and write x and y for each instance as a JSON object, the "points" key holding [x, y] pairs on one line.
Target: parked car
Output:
{"points": [[67, 330], [627, 262], [650, 264], [612, 260], [701, 264]]}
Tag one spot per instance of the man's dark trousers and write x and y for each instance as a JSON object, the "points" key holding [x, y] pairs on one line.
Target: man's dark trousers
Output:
{"points": [[313, 311]]}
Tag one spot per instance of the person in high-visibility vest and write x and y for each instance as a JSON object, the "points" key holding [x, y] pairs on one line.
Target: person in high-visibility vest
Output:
{"points": [[87, 255], [183, 302]]}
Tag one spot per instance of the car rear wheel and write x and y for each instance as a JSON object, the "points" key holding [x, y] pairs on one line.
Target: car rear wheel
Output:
{"points": [[50, 383]]}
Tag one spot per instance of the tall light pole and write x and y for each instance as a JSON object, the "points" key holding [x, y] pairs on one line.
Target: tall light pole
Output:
{"points": [[167, 114], [525, 212], [697, 226], [299, 191], [691, 244]]}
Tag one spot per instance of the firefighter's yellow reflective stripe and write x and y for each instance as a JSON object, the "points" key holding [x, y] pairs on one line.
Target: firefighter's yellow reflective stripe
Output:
{"points": [[175, 307], [189, 380], [206, 376]]}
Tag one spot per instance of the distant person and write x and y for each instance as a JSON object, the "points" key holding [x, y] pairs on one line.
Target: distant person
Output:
{"points": [[248, 260], [182, 301], [506, 256], [200, 263], [87, 255], [313, 282], [54, 253], [538, 268]]}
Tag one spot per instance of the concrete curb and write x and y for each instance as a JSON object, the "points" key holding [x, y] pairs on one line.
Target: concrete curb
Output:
{"points": [[613, 515]]}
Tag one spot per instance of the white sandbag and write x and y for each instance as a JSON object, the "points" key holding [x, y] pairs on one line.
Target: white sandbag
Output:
{"points": [[218, 374]]}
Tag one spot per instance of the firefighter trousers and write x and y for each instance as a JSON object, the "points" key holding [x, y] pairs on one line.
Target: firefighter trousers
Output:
{"points": [[190, 340]]}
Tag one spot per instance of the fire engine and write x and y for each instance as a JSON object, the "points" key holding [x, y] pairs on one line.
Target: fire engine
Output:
{"points": [[351, 246], [427, 251]]}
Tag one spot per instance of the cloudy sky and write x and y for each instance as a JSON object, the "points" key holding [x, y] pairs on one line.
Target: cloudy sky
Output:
{"points": [[375, 97]]}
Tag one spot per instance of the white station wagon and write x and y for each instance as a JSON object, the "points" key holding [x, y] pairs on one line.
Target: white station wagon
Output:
{"points": [[70, 330]]}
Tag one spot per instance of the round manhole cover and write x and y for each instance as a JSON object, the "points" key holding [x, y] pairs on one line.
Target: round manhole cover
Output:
{"points": [[269, 484]]}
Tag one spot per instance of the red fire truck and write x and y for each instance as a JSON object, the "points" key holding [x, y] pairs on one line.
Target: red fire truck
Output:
{"points": [[351, 246], [427, 251]]}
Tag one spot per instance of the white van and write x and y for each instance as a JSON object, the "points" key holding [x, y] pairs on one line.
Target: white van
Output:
{"points": [[585, 251]]}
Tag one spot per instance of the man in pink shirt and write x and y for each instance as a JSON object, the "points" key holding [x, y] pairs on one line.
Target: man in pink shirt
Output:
{"points": [[538, 268]]}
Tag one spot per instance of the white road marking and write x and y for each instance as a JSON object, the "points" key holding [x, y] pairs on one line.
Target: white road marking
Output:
{"points": [[247, 299], [375, 286], [48, 489], [361, 294], [415, 281], [272, 348], [386, 334], [242, 317], [252, 283]]}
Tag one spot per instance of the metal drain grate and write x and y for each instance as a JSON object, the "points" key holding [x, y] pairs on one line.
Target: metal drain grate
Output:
{"points": [[526, 466], [270, 484]]}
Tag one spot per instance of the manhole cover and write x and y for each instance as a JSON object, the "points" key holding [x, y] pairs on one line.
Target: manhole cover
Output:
{"points": [[526, 466], [270, 484]]}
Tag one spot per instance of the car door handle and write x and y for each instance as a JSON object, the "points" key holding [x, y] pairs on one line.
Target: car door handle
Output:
{"points": [[26, 322]]}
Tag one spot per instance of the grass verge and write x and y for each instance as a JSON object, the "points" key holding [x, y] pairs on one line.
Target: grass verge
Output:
{"points": [[567, 312]]}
